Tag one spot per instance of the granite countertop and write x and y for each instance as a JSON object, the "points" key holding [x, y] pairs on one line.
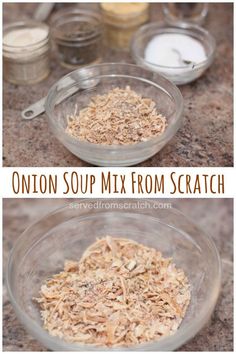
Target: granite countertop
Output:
{"points": [[206, 138], [215, 216]]}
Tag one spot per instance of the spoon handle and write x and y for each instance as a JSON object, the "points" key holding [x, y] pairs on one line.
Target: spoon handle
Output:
{"points": [[43, 11]]}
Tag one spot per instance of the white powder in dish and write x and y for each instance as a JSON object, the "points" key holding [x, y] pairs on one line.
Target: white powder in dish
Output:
{"points": [[171, 49], [24, 37]]}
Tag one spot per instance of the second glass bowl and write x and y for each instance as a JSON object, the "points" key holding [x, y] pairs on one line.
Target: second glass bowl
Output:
{"points": [[65, 234], [182, 74], [76, 90]]}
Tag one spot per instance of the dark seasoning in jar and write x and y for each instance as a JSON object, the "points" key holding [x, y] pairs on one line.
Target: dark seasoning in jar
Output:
{"points": [[78, 37]]}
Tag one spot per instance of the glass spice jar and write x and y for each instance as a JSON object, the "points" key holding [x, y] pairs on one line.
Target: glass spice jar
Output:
{"points": [[78, 35], [121, 21], [179, 13], [26, 50]]}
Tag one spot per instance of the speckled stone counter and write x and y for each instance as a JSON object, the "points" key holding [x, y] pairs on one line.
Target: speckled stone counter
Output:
{"points": [[206, 138], [214, 216]]}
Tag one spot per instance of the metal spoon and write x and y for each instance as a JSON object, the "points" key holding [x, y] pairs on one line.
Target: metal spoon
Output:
{"points": [[43, 11], [72, 84], [182, 60]]}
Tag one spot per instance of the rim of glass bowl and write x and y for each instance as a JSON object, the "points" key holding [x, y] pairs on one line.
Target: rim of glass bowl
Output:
{"points": [[169, 343], [166, 136], [142, 31]]}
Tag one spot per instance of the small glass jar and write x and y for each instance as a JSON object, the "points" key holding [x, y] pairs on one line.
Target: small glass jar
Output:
{"points": [[179, 13], [78, 37], [26, 50], [121, 22]]}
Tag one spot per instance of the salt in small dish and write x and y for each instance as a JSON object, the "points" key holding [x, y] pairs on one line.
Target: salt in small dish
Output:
{"points": [[187, 71]]}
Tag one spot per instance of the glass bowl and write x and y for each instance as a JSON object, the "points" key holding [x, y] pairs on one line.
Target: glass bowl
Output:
{"points": [[64, 234], [177, 13], [77, 89], [179, 75]]}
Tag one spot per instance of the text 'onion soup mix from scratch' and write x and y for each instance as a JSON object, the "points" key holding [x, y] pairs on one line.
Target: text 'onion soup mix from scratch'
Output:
{"points": [[120, 293]]}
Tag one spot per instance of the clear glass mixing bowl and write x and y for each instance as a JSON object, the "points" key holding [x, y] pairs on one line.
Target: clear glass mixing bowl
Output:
{"points": [[64, 234], [179, 75], [78, 87]]}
